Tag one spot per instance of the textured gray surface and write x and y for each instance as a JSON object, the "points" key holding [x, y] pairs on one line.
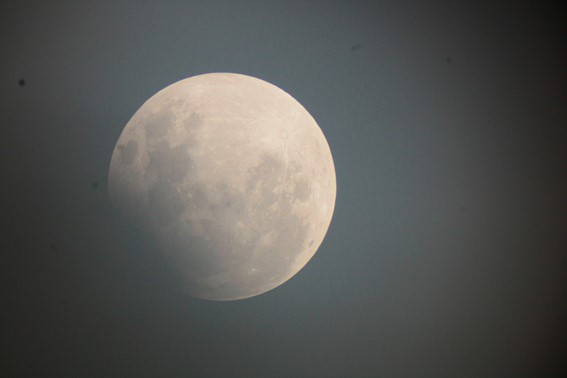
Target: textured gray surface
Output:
{"points": [[233, 178]]}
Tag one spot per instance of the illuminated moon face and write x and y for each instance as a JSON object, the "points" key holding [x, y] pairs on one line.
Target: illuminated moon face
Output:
{"points": [[232, 177]]}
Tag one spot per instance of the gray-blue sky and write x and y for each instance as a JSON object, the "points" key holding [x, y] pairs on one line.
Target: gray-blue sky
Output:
{"points": [[444, 258]]}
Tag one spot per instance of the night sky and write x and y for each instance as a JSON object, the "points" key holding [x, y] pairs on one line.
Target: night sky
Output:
{"points": [[446, 253]]}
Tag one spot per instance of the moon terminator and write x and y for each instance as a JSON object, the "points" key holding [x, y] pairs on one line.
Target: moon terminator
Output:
{"points": [[232, 177]]}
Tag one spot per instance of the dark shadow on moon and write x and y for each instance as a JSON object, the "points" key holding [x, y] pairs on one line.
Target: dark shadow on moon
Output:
{"points": [[164, 203], [210, 257], [230, 228], [220, 262], [140, 263]]}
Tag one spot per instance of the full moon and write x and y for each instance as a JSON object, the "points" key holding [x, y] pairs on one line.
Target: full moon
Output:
{"points": [[232, 178]]}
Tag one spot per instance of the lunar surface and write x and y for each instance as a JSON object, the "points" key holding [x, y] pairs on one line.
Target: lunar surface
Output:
{"points": [[233, 179]]}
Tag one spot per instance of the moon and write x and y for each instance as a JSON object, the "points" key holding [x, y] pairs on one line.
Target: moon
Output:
{"points": [[231, 177]]}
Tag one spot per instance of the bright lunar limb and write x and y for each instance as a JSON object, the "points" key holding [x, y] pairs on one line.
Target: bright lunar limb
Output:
{"points": [[232, 177]]}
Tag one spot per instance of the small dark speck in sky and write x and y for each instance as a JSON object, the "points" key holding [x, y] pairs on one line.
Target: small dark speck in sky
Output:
{"points": [[52, 246], [94, 184], [22, 82], [356, 47]]}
